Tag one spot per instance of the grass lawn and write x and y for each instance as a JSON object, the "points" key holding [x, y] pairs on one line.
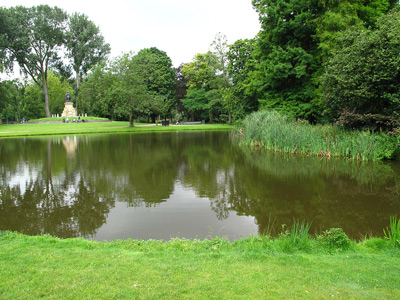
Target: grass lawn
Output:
{"points": [[46, 267], [96, 127]]}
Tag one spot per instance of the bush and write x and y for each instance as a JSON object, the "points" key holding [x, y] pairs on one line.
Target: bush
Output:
{"points": [[335, 239], [374, 122]]}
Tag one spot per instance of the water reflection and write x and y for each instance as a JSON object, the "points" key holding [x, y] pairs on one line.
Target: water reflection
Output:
{"points": [[183, 184]]}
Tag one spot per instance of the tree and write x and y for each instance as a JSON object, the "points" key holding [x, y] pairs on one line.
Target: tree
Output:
{"points": [[155, 68], [241, 63], [204, 86], [34, 37], [181, 89], [363, 74], [10, 101], [86, 46], [57, 88], [97, 91], [130, 87], [202, 72], [32, 104], [296, 37], [220, 47], [220, 50], [287, 55]]}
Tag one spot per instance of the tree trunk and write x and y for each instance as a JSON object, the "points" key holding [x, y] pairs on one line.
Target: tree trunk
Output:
{"points": [[230, 118], [112, 113], [131, 119], [46, 98]]}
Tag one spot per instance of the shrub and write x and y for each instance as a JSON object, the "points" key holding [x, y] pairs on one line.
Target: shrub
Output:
{"points": [[335, 239]]}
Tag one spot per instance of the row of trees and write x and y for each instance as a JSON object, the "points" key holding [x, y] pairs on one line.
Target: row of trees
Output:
{"points": [[131, 86], [320, 60], [317, 59], [43, 38]]}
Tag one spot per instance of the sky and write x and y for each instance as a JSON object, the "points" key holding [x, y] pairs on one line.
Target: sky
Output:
{"points": [[181, 28]]}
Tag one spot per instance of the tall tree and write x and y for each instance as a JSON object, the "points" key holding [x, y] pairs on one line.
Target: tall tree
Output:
{"points": [[155, 67], [33, 38], [241, 63], [130, 86], [220, 49], [86, 45], [97, 91], [204, 86], [288, 56], [296, 37]]}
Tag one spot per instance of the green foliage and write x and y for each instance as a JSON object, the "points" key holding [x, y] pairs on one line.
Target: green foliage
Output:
{"points": [[33, 38], [377, 244], [202, 72], [287, 55], [277, 132], [155, 68], [362, 76], [130, 87], [241, 63], [32, 104], [85, 44], [57, 88], [11, 94], [295, 39], [97, 97], [295, 237], [335, 239], [393, 232], [196, 103]]}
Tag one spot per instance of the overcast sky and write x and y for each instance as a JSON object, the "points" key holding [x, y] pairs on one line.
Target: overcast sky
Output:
{"points": [[181, 28]]}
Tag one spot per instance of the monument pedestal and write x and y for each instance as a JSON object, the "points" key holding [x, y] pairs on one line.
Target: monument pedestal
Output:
{"points": [[69, 110]]}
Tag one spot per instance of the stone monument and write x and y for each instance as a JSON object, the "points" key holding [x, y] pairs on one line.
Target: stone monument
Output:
{"points": [[69, 110]]}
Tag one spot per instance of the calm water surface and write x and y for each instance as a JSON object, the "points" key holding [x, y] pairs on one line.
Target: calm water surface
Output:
{"points": [[187, 184]]}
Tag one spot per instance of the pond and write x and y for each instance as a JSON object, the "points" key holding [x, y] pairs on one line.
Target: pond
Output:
{"points": [[184, 184]]}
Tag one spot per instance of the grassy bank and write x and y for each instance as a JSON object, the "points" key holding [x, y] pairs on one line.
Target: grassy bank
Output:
{"points": [[254, 268], [279, 133], [96, 127]]}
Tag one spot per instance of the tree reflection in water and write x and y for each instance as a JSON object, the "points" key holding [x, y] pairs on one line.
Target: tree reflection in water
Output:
{"points": [[66, 186]]}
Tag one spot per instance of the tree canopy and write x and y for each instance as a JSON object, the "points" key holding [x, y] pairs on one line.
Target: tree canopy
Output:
{"points": [[33, 38], [362, 76], [86, 45]]}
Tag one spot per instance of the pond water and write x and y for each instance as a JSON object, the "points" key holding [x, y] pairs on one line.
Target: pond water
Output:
{"points": [[184, 184]]}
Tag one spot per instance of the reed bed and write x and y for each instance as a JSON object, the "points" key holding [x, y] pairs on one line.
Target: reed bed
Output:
{"points": [[274, 131]]}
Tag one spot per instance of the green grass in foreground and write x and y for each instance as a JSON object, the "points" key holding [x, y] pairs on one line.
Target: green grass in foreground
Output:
{"points": [[96, 127], [253, 268]]}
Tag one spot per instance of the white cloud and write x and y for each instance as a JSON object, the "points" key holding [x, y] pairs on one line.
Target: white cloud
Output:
{"points": [[181, 28]]}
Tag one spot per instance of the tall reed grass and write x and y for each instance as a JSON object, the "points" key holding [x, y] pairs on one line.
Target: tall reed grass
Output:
{"points": [[271, 130], [393, 232]]}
